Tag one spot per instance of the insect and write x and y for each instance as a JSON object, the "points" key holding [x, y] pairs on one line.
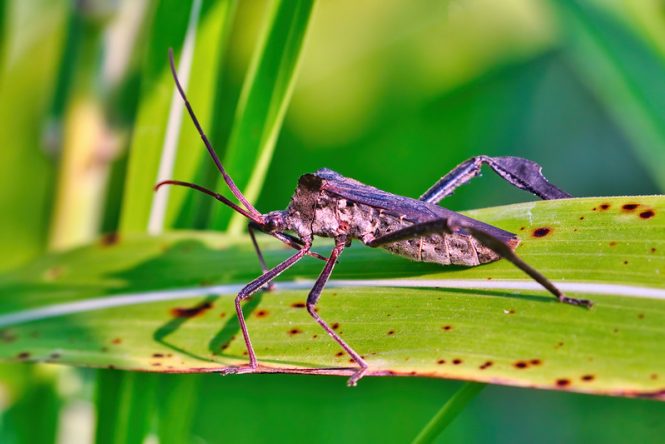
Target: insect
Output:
{"points": [[328, 204]]}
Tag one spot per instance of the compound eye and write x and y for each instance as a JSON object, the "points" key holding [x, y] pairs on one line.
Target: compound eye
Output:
{"points": [[273, 222]]}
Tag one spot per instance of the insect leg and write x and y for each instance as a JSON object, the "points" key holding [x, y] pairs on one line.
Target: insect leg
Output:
{"points": [[483, 236], [254, 286], [264, 268], [522, 173], [313, 298], [289, 240]]}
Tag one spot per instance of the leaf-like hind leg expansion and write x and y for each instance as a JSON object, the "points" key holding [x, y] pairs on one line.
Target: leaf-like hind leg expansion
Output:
{"points": [[313, 298], [252, 288], [455, 225], [522, 173]]}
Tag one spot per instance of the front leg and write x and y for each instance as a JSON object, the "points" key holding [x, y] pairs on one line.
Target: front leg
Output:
{"points": [[251, 288], [522, 173]]}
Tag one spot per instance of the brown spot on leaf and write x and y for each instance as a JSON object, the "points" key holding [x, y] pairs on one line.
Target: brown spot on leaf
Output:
{"points": [[156, 364], [116, 341], [262, 313], [190, 312], [335, 325], [648, 214], [338, 354], [522, 228], [535, 361], [612, 243], [53, 273], [315, 336], [629, 206], [294, 331], [588, 378], [7, 336], [486, 364], [605, 206], [521, 364], [653, 249], [391, 332], [157, 355], [23, 355], [559, 345], [625, 262], [447, 327], [541, 232], [441, 361], [457, 361], [109, 239], [581, 217], [110, 367], [563, 382], [222, 315], [298, 305], [653, 376]]}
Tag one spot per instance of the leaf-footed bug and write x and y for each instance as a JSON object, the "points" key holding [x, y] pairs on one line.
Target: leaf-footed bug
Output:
{"points": [[328, 204]]}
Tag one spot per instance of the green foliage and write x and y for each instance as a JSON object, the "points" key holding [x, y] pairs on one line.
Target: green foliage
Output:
{"points": [[476, 329], [263, 101], [393, 96]]}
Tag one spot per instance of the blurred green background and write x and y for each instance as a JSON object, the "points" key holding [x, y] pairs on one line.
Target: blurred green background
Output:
{"points": [[394, 93]]}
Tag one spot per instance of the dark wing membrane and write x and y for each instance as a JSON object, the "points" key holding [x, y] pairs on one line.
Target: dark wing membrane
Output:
{"points": [[413, 210]]}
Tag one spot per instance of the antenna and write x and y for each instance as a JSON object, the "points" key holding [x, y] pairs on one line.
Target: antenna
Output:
{"points": [[252, 212]]}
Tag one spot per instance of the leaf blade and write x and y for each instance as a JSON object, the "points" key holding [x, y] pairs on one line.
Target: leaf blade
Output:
{"points": [[485, 334]]}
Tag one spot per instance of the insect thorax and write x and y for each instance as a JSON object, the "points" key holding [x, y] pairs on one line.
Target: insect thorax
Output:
{"points": [[315, 212]]}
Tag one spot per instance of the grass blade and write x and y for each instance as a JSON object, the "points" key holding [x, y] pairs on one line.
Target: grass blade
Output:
{"points": [[25, 199], [124, 401], [263, 101], [157, 89]]}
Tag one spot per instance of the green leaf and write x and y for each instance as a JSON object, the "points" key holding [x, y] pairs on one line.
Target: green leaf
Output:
{"points": [[123, 406], [27, 171], [151, 304], [263, 101], [157, 89]]}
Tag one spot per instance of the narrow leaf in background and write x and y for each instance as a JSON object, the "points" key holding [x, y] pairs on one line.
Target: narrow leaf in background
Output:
{"points": [[263, 101], [27, 170]]}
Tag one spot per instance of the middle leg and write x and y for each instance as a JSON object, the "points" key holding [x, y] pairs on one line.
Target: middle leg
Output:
{"points": [[313, 298]]}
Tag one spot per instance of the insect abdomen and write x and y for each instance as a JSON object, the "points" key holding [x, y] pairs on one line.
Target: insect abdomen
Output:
{"points": [[444, 249], [366, 223]]}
